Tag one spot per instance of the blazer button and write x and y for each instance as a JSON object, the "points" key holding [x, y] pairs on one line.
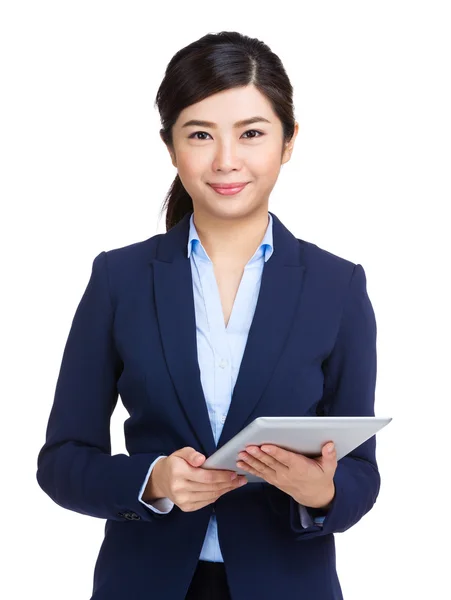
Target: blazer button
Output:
{"points": [[131, 516]]}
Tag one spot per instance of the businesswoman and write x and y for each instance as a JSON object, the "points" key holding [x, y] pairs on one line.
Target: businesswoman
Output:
{"points": [[224, 318]]}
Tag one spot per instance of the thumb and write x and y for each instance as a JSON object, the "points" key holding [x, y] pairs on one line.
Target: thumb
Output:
{"points": [[192, 457], [329, 452], [196, 459]]}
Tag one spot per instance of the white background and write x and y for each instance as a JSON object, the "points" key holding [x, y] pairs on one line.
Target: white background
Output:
{"points": [[84, 170]]}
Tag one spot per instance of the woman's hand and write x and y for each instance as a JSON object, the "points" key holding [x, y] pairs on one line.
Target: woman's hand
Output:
{"points": [[309, 481], [179, 478]]}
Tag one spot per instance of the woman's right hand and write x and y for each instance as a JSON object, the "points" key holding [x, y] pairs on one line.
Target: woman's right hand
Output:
{"points": [[179, 478]]}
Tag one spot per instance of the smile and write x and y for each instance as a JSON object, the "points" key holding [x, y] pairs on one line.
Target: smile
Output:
{"points": [[228, 191]]}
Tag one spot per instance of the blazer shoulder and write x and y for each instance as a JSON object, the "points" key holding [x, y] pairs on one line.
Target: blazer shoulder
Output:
{"points": [[132, 254], [124, 266], [320, 259]]}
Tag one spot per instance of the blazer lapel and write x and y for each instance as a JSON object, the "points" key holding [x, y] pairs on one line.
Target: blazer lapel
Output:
{"points": [[276, 308]]}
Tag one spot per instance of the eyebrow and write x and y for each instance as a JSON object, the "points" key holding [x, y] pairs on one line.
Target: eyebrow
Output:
{"points": [[238, 124]]}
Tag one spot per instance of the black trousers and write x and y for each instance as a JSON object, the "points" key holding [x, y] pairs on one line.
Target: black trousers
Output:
{"points": [[209, 582]]}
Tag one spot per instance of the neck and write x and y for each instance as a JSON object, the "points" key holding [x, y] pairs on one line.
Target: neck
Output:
{"points": [[231, 241]]}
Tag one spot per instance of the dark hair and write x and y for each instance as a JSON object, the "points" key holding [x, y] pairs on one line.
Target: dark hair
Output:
{"points": [[214, 63]]}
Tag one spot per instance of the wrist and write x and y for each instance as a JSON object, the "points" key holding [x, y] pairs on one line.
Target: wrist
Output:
{"points": [[323, 502], [153, 491], [327, 500]]}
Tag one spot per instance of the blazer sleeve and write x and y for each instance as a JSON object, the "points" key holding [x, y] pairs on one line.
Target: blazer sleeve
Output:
{"points": [[349, 390], [75, 466]]}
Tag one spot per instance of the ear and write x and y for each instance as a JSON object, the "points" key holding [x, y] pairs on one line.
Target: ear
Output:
{"points": [[171, 153], [290, 144]]}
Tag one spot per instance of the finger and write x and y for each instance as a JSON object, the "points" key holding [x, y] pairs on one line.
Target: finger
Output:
{"points": [[210, 476], [255, 453], [268, 474], [200, 486], [285, 457], [258, 467], [328, 450], [221, 488], [204, 496], [329, 456], [202, 499], [198, 504]]}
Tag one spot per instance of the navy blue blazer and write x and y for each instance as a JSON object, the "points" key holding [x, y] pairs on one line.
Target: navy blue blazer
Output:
{"points": [[311, 350]]}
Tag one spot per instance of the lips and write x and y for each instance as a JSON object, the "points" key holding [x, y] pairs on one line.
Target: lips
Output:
{"points": [[229, 189], [228, 186]]}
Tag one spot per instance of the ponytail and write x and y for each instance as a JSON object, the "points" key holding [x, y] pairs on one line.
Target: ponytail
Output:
{"points": [[178, 203]]}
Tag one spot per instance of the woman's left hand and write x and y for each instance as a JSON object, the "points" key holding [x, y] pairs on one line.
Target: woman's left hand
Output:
{"points": [[308, 480]]}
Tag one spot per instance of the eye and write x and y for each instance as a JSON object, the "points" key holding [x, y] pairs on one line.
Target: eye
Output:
{"points": [[254, 131], [260, 133]]}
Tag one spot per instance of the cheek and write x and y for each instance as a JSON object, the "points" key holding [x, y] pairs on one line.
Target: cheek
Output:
{"points": [[192, 174], [191, 165], [265, 165]]}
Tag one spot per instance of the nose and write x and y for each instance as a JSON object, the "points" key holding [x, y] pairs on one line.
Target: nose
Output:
{"points": [[226, 157]]}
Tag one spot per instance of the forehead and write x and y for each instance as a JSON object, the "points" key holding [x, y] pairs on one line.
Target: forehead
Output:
{"points": [[229, 106]]}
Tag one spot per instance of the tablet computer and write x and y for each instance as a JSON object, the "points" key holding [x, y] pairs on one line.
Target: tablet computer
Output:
{"points": [[304, 435]]}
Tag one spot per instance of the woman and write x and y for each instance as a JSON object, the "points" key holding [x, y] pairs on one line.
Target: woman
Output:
{"points": [[224, 318]]}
